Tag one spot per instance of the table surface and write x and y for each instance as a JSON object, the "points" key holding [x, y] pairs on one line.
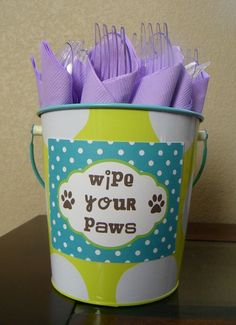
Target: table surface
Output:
{"points": [[206, 295]]}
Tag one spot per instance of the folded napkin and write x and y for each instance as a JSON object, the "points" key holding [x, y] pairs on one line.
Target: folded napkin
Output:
{"points": [[54, 82], [158, 87], [98, 88], [200, 85]]}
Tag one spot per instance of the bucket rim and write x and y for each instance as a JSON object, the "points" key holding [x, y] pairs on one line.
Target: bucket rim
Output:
{"points": [[156, 108]]}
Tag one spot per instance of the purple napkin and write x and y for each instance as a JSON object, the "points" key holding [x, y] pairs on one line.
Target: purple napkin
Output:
{"points": [[54, 82], [78, 77], [117, 89], [182, 97], [200, 85], [158, 88]]}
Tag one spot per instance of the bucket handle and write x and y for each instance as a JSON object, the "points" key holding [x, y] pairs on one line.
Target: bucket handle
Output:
{"points": [[36, 130]]}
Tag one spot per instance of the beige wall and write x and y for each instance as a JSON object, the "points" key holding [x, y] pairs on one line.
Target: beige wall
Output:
{"points": [[208, 25]]}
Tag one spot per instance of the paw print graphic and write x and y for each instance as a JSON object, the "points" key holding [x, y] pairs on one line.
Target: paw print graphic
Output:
{"points": [[156, 203], [68, 200]]}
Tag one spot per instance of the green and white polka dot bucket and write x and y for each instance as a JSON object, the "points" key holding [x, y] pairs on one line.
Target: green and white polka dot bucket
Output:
{"points": [[118, 181]]}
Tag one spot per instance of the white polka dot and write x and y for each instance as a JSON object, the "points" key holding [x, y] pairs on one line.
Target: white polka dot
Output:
{"points": [[180, 181], [65, 244], [155, 250], [168, 143], [64, 169], [88, 259], [117, 253], [162, 256], [137, 253], [175, 152], [131, 162], [156, 232], [174, 172], [57, 140], [169, 246], [171, 210], [176, 218], [58, 177], [58, 158], [121, 152], [170, 228], [53, 185], [64, 226], [141, 153], [72, 255], [71, 160], [80, 150], [168, 163], [87, 242], [164, 221], [53, 221], [79, 249], [110, 142], [72, 237], [159, 173], [163, 239], [53, 204], [100, 151], [97, 252], [52, 148], [178, 199], [167, 182], [54, 239], [173, 191], [160, 153], [131, 143], [59, 250], [107, 261], [127, 261], [147, 242], [146, 260], [175, 235], [59, 233], [181, 162], [64, 149], [89, 161], [151, 143], [90, 141], [58, 215], [52, 167], [151, 163]]}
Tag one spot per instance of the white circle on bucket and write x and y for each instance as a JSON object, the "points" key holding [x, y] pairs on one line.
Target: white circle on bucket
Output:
{"points": [[64, 149], [137, 253], [80, 150], [159, 173], [155, 250], [168, 163], [64, 169], [89, 161], [58, 158], [99, 151], [121, 152], [160, 153], [151, 163], [71, 160], [117, 253], [97, 252], [141, 153]]}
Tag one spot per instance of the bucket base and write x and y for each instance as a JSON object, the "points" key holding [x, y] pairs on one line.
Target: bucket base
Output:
{"points": [[111, 304]]}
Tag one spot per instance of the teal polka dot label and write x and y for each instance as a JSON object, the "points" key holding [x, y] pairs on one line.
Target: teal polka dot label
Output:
{"points": [[114, 201]]}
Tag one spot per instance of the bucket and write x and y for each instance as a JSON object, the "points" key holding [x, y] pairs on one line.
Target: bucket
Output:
{"points": [[118, 181]]}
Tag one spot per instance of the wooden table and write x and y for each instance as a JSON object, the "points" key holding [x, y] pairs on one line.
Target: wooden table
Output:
{"points": [[206, 295]]}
